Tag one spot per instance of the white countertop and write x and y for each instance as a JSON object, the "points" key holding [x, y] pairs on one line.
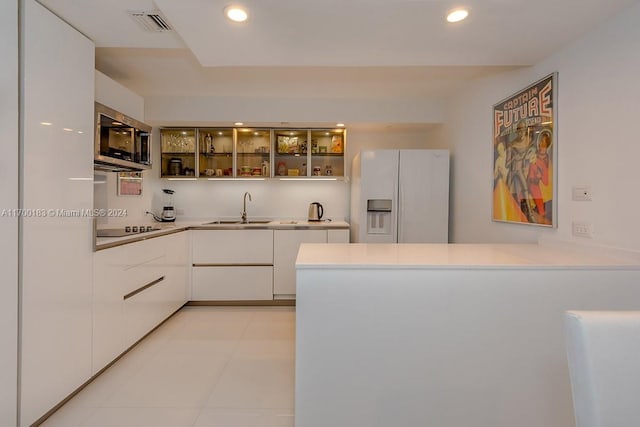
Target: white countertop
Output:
{"points": [[433, 256], [177, 226]]}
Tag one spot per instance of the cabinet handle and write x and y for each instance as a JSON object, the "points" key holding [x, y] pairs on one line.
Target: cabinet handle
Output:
{"points": [[148, 285], [233, 265]]}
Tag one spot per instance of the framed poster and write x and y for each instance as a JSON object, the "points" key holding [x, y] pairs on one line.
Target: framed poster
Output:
{"points": [[129, 183], [524, 156]]}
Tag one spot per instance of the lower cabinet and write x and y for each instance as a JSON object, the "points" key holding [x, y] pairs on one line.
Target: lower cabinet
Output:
{"points": [[250, 265], [286, 244], [229, 283], [338, 236], [232, 265], [135, 287]]}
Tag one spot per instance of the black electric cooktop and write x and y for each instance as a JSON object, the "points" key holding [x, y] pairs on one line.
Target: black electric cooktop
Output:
{"points": [[124, 231]]}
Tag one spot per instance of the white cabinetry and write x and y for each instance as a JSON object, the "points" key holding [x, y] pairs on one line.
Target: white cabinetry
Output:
{"points": [[228, 283], [338, 236], [136, 287], [9, 163], [286, 244], [160, 288], [57, 129], [232, 265]]}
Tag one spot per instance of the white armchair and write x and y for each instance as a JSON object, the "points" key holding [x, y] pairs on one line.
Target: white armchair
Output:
{"points": [[603, 350]]}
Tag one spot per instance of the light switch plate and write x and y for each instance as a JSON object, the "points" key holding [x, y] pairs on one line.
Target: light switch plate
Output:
{"points": [[582, 229]]}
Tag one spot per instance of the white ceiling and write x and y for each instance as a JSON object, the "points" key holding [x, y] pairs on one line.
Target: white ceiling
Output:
{"points": [[329, 48]]}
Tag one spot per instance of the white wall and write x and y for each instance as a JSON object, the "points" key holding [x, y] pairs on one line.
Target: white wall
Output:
{"points": [[598, 104], [205, 109], [9, 225]]}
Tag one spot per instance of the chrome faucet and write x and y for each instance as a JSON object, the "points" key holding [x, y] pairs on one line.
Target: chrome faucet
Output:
{"points": [[244, 207]]}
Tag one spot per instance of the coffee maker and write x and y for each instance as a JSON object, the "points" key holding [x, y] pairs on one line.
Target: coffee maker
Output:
{"points": [[168, 210]]}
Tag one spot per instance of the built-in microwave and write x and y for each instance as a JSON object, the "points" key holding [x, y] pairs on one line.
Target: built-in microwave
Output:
{"points": [[121, 142]]}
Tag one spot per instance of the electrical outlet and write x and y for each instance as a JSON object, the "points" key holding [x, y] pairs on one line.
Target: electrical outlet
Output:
{"points": [[581, 193], [582, 229]]}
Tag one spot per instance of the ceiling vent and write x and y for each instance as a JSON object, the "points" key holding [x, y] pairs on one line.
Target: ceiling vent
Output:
{"points": [[151, 21]]}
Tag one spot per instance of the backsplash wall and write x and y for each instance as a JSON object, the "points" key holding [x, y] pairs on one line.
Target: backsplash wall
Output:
{"points": [[270, 199]]}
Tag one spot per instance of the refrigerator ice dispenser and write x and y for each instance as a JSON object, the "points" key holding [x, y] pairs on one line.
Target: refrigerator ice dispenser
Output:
{"points": [[379, 216]]}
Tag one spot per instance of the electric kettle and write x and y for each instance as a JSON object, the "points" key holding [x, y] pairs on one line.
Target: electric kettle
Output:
{"points": [[315, 211]]}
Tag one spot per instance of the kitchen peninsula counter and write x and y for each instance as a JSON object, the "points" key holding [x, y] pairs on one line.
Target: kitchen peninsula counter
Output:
{"points": [[443, 256], [446, 335]]}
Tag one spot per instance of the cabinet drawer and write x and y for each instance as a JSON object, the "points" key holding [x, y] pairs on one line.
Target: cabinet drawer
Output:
{"points": [[128, 256], [134, 265], [232, 283], [233, 247], [139, 275], [146, 309]]}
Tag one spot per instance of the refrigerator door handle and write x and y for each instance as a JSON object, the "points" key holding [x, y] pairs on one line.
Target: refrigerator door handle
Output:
{"points": [[400, 212]]}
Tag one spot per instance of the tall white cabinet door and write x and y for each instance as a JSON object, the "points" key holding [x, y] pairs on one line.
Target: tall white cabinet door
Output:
{"points": [[423, 196], [286, 244], [9, 225], [57, 176]]}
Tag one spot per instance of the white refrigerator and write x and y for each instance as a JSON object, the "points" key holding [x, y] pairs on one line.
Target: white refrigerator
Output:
{"points": [[400, 196]]}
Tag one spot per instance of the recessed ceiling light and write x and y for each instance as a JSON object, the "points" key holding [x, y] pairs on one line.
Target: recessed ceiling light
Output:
{"points": [[457, 15], [340, 125], [238, 123], [236, 13], [45, 123]]}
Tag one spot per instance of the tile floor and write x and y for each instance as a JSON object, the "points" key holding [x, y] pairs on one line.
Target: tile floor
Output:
{"points": [[206, 366]]}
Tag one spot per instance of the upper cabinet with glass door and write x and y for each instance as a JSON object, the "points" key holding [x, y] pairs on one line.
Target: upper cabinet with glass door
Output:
{"points": [[215, 148], [327, 152], [219, 153], [253, 152], [309, 153], [178, 152], [290, 155]]}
